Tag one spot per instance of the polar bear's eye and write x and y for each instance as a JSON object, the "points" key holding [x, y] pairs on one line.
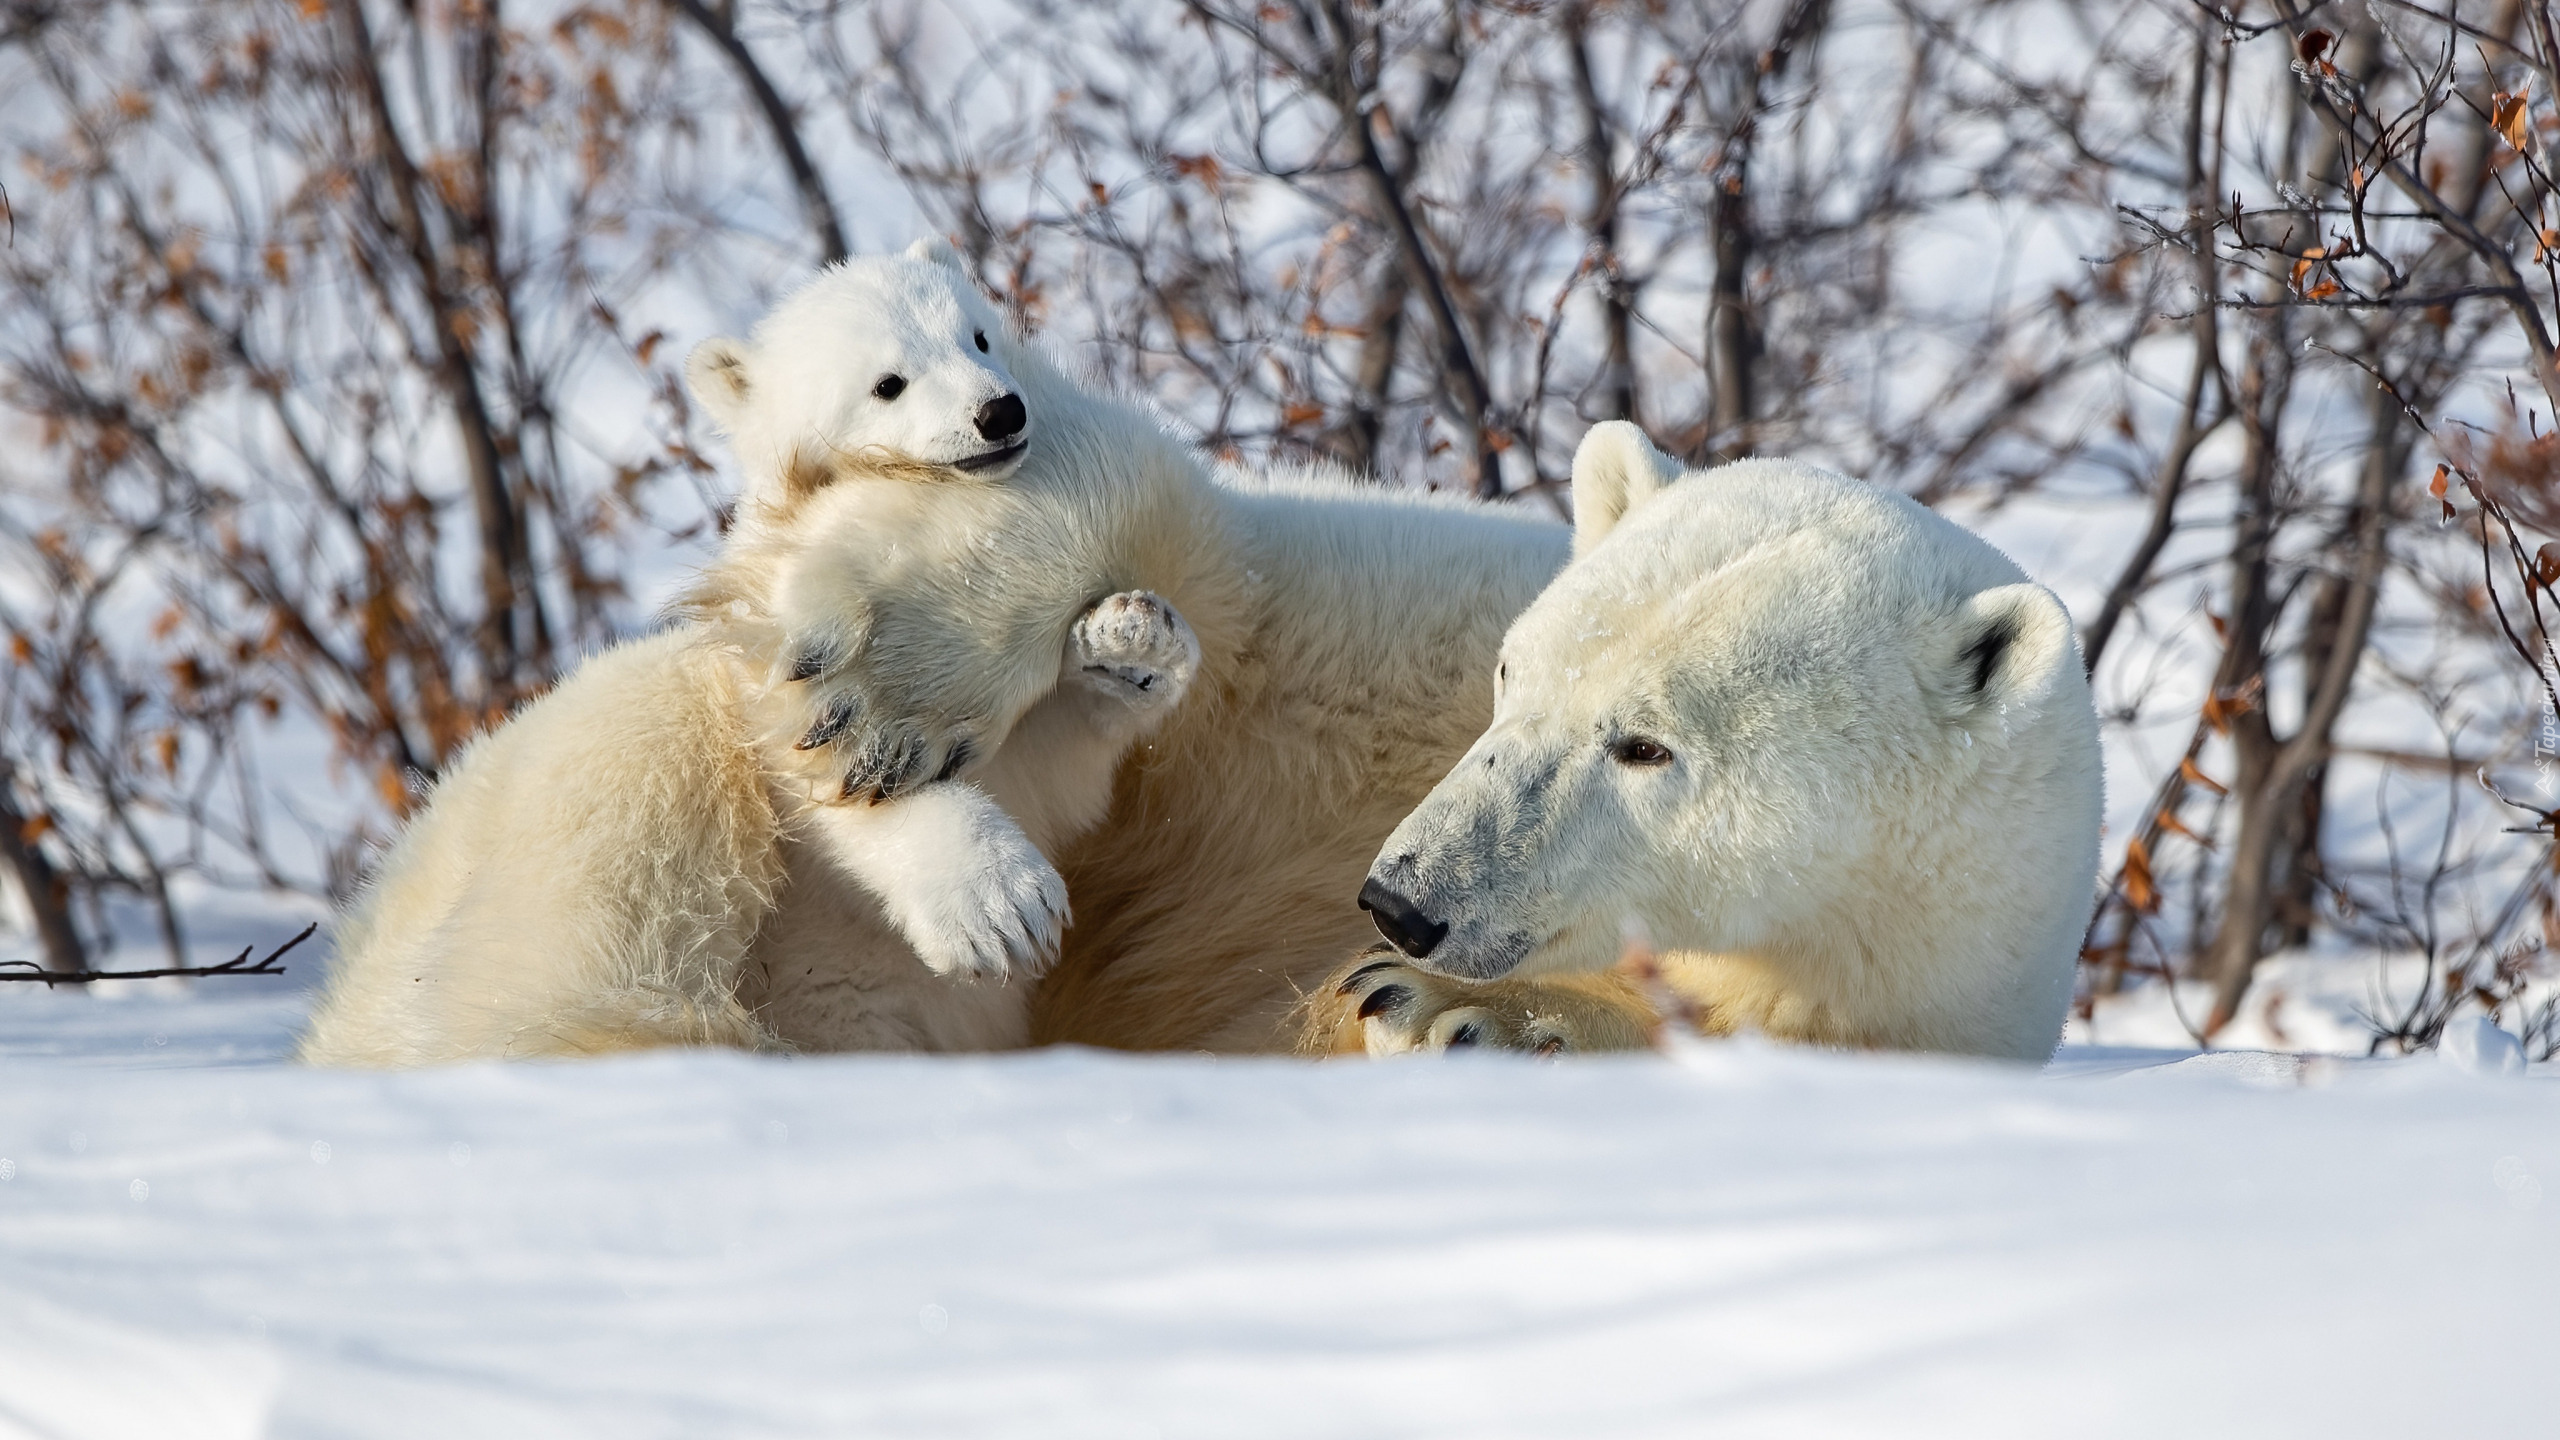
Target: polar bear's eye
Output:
{"points": [[982, 342], [1637, 750], [890, 387]]}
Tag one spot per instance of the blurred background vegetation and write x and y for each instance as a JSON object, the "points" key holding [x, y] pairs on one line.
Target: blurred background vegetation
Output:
{"points": [[340, 344]]}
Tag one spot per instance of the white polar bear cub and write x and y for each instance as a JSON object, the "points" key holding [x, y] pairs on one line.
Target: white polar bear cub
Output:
{"points": [[659, 852], [1830, 751]]}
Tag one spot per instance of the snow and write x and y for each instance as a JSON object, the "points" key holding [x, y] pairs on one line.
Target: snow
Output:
{"points": [[199, 1240]]}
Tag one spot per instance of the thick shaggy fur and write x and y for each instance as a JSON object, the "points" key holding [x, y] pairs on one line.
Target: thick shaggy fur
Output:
{"points": [[1829, 751], [645, 856], [631, 862], [1344, 631]]}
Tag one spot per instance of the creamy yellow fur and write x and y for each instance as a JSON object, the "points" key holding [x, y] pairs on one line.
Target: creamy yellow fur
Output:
{"points": [[1221, 887], [627, 862], [503, 928]]}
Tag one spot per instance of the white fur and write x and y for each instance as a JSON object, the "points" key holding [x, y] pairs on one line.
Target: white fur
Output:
{"points": [[954, 871], [1341, 634], [635, 860], [1851, 842], [803, 385], [1342, 628]]}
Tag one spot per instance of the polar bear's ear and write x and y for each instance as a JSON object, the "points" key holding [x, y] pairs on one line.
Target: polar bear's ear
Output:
{"points": [[2007, 644], [938, 251], [1614, 470], [716, 373]]}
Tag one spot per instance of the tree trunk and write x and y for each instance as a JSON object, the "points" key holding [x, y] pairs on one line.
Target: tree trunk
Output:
{"points": [[2274, 812], [58, 946], [1355, 440], [1733, 331], [510, 640], [1617, 383], [1463, 377]]}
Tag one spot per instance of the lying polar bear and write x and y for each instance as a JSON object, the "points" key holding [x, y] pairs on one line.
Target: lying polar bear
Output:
{"points": [[649, 855], [892, 618], [1830, 751]]}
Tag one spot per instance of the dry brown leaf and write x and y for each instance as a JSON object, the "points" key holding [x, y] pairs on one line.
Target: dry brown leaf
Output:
{"points": [[2222, 707], [2195, 775], [2138, 889], [2170, 822], [2510, 118]]}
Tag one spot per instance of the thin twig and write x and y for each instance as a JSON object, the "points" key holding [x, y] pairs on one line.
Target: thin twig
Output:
{"points": [[236, 965]]}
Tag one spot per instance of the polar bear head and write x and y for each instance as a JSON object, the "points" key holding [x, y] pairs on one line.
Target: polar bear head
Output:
{"points": [[1766, 709], [890, 362]]}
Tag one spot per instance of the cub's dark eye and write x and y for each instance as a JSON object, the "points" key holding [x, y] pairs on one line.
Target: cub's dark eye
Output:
{"points": [[1636, 750], [890, 387], [982, 342]]}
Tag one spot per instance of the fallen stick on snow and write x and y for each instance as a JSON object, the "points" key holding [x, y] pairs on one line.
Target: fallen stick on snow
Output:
{"points": [[236, 965]]}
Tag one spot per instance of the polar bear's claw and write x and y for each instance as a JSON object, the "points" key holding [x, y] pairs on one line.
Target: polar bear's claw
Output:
{"points": [[897, 758], [1383, 999], [809, 665], [1351, 982], [1397, 1008], [831, 724]]}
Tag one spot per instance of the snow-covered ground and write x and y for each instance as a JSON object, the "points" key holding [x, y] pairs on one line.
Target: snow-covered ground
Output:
{"points": [[197, 1240]]}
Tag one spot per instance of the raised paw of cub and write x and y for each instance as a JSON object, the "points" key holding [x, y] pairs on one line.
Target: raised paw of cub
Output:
{"points": [[1135, 647]]}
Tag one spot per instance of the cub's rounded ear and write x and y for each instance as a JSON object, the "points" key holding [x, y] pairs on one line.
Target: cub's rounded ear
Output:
{"points": [[1614, 470], [2007, 646], [716, 373], [938, 251]]}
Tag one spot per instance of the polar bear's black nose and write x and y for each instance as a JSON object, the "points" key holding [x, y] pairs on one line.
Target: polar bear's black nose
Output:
{"points": [[1401, 921], [1002, 418]]}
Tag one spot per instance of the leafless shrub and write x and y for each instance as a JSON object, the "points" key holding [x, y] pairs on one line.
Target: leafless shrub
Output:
{"points": [[294, 305], [326, 322]]}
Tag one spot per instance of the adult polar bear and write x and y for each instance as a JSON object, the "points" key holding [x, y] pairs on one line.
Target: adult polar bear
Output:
{"points": [[1829, 749], [1344, 635]]}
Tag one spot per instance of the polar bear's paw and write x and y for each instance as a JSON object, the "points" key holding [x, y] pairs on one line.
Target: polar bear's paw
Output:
{"points": [[955, 875], [1400, 1009], [1135, 647], [999, 911], [1384, 1006], [850, 749], [1004, 919]]}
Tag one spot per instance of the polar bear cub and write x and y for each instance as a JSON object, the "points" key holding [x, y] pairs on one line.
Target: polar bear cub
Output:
{"points": [[658, 852], [896, 368], [1830, 752]]}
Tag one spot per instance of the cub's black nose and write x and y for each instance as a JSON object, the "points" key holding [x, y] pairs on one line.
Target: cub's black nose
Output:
{"points": [[1401, 921], [1002, 418]]}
